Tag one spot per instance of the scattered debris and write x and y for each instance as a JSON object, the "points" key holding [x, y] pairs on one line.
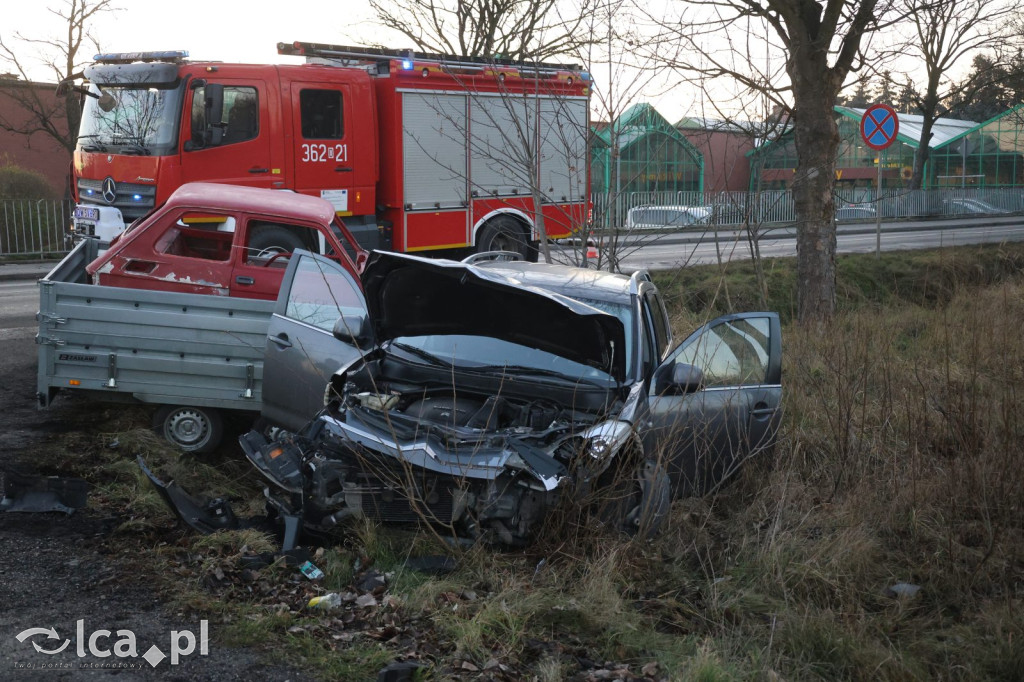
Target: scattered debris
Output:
{"points": [[331, 600], [904, 590], [402, 671], [311, 571], [366, 600], [39, 494], [432, 564]]}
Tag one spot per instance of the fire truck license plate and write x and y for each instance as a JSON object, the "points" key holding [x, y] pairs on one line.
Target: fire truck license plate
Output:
{"points": [[82, 213]]}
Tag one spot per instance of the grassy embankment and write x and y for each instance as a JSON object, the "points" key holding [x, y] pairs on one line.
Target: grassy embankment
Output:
{"points": [[900, 461]]}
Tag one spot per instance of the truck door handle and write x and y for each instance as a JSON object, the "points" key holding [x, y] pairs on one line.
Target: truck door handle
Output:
{"points": [[259, 170], [342, 169], [281, 340], [242, 279]]}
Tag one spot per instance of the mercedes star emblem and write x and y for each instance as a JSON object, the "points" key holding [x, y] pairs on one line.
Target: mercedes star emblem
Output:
{"points": [[109, 190]]}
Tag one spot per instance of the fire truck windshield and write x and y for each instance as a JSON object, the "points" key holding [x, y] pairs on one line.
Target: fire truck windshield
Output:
{"points": [[139, 120]]}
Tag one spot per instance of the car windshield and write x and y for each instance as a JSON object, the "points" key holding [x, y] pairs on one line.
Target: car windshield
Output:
{"points": [[491, 354], [139, 120]]}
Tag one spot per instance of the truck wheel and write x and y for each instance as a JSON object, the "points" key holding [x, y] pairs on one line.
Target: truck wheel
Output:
{"points": [[193, 429], [268, 240], [503, 233]]}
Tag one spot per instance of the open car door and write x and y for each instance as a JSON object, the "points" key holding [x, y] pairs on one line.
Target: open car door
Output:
{"points": [[301, 353], [716, 400]]}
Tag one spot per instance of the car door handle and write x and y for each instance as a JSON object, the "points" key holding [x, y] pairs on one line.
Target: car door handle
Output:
{"points": [[342, 169], [281, 340], [762, 410], [259, 170], [242, 279]]}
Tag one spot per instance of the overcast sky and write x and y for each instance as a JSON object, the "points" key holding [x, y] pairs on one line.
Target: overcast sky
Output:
{"points": [[233, 31]]}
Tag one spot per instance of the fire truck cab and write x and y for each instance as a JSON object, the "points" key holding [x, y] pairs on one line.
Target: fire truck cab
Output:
{"points": [[415, 153]]}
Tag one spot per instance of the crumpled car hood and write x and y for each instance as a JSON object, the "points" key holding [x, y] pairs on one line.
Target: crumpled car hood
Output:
{"points": [[412, 296]]}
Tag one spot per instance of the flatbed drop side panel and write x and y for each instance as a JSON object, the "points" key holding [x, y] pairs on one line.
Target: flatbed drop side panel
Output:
{"points": [[154, 347]]}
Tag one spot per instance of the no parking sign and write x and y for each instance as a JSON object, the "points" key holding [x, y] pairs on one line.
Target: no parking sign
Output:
{"points": [[879, 126]]}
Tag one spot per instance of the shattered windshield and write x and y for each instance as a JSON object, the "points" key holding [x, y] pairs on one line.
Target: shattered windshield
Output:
{"points": [[140, 120]]}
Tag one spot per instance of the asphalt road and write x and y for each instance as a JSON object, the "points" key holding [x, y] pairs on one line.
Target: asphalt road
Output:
{"points": [[663, 254], [19, 301]]}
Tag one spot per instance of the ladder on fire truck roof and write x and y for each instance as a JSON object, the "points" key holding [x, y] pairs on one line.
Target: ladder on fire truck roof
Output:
{"points": [[376, 55]]}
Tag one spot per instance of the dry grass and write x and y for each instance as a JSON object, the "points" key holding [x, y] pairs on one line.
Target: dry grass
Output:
{"points": [[901, 459]]}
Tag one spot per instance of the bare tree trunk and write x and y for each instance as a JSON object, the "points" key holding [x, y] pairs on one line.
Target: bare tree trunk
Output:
{"points": [[817, 141], [538, 218]]}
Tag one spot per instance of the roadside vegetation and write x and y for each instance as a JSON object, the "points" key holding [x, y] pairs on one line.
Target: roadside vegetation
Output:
{"points": [[883, 540]]}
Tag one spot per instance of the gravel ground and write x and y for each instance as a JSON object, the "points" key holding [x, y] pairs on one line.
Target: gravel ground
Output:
{"points": [[57, 570]]}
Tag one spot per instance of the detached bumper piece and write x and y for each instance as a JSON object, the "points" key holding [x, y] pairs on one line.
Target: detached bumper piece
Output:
{"points": [[38, 494], [205, 517]]}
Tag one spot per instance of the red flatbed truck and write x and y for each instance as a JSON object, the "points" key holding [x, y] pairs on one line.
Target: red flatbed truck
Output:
{"points": [[415, 152]]}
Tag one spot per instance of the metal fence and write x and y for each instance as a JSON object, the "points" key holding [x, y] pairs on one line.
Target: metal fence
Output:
{"points": [[677, 209], [38, 228], [34, 227]]}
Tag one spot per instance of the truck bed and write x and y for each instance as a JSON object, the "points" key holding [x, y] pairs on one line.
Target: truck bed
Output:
{"points": [[149, 346]]}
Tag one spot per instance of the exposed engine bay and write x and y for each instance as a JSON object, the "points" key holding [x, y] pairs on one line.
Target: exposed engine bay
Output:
{"points": [[483, 465]]}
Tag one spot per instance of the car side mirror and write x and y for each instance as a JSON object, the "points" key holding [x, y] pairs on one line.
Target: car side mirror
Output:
{"points": [[687, 378], [353, 329]]}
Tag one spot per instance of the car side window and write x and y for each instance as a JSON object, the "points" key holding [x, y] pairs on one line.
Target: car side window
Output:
{"points": [[320, 294], [730, 352], [204, 235], [266, 239], [241, 116], [658, 321]]}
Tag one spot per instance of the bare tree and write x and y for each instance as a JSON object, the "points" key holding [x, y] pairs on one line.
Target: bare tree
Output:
{"points": [[490, 29], [798, 54], [61, 57], [944, 33], [627, 76]]}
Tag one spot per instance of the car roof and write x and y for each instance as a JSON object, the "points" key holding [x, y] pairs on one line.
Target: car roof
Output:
{"points": [[568, 280], [211, 195]]}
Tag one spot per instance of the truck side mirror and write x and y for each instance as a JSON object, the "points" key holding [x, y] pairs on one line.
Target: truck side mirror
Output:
{"points": [[213, 104]]}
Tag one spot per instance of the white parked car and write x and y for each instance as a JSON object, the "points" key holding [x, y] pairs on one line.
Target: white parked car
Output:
{"points": [[668, 216]]}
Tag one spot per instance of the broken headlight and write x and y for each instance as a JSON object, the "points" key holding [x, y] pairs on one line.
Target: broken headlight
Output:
{"points": [[605, 439]]}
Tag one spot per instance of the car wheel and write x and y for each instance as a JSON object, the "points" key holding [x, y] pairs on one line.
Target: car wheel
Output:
{"points": [[193, 429], [270, 240], [648, 506], [503, 233], [637, 503]]}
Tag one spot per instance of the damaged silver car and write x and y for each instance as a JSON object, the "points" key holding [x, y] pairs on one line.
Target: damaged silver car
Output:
{"points": [[480, 395]]}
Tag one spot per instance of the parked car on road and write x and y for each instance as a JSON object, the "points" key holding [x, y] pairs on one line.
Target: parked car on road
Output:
{"points": [[477, 395], [965, 206], [668, 216], [844, 213]]}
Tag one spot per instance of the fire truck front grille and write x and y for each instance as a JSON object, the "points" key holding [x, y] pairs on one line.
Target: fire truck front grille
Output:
{"points": [[133, 200]]}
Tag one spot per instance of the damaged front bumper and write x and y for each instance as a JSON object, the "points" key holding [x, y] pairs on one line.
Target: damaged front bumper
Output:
{"points": [[497, 490]]}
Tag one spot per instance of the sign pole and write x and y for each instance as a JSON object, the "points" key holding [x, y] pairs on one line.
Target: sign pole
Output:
{"points": [[878, 206], [879, 127]]}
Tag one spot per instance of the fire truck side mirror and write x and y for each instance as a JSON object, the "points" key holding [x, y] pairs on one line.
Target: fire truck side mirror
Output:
{"points": [[214, 105]]}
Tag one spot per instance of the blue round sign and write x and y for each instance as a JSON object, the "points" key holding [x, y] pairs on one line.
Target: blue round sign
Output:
{"points": [[879, 126]]}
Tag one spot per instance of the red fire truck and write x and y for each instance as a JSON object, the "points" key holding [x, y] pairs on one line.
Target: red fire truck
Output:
{"points": [[415, 152]]}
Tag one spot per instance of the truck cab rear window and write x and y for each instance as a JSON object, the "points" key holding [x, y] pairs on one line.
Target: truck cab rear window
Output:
{"points": [[321, 114]]}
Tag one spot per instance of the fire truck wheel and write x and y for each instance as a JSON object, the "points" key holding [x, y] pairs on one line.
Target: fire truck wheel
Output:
{"points": [[193, 429], [503, 233], [266, 241]]}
